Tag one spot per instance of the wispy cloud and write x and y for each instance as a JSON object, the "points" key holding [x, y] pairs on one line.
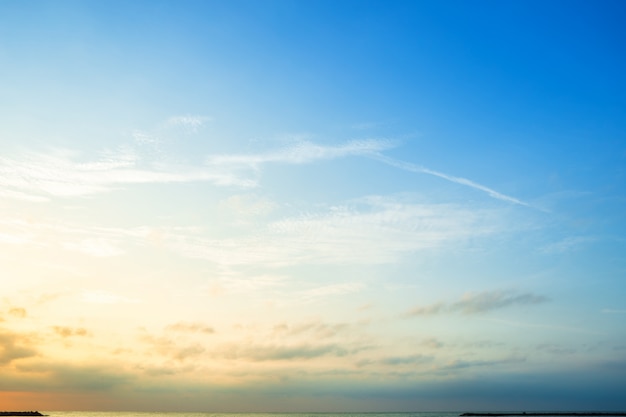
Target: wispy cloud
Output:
{"points": [[554, 349], [18, 195], [247, 206], [568, 244], [18, 312], [189, 122], [15, 346], [493, 300], [300, 153], [39, 176], [366, 125], [262, 353], [313, 329], [59, 375], [463, 364], [58, 173], [105, 297], [190, 328], [65, 331], [406, 360], [255, 342], [407, 166], [396, 361], [98, 247], [374, 231], [171, 348], [89, 240], [613, 311], [432, 343], [474, 303], [229, 281], [429, 310], [552, 327], [332, 290]]}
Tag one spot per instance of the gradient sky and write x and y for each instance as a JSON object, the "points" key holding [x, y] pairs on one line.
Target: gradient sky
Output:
{"points": [[312, 205]]}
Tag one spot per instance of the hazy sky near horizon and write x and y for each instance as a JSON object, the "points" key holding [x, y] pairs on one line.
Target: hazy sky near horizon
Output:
{"points": [[312, 205]]}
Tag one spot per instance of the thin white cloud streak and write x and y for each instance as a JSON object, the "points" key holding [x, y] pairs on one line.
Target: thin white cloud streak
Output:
{"points": [[459, 180], [568, 244], [38, 176], [189, 122], [302, 152]]}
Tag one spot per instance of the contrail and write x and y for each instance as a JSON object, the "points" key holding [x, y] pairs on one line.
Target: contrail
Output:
{"points": [[407, 166]]}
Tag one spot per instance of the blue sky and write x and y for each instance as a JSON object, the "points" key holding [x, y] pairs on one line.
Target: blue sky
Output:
{"points": [[312, 205]]}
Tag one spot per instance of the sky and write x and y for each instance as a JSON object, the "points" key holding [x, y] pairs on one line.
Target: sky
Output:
{"points": [[312, 205]]}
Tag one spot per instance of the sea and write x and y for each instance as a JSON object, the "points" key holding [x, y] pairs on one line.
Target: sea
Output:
{"points": [[260, 414]]}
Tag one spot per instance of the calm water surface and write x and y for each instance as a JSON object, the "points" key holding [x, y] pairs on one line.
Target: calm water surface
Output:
{"points": [[172, 414]]}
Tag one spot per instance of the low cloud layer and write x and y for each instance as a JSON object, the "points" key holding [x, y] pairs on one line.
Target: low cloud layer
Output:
{"points": [[475, 303], [15, 346], [65, 331], [190, 328]]}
